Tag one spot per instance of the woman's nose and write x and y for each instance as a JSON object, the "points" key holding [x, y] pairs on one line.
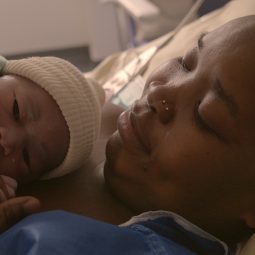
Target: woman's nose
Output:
{"points": [[10, 139], [161, 99]]}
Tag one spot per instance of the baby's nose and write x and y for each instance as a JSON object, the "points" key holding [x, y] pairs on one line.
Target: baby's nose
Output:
{"points": [[10, 139], [6, 149]]}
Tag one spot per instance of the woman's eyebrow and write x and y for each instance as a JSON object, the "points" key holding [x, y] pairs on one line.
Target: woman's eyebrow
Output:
{"points": [[200, 43], [228, 100]]}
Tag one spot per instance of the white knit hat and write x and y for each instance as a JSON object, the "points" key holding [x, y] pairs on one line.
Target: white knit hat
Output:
{"points": [[79, 100]]}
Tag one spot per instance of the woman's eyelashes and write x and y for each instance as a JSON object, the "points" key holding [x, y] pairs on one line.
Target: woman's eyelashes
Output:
{"points": [[203, 125], [183, 64], [189, 61], [200, 121]]}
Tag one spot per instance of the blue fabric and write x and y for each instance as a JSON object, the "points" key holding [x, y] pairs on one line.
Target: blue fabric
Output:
{"points": [[168, 228], [58, 232]]}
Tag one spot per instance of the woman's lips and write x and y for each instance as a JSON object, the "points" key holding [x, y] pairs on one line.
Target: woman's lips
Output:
{"points": [[129, 132]]}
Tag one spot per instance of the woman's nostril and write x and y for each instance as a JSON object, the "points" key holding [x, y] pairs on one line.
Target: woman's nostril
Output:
{"points": [[162, 108], [151, 107]]}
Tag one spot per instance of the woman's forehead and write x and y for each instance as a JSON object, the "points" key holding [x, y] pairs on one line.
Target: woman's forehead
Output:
{"points": [[235, 33]]}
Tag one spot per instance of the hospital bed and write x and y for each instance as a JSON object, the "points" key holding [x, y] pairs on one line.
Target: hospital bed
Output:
{"points": [[104, 72]]}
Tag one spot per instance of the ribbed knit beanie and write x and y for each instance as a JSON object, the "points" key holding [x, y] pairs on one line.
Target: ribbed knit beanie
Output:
{"points": [[79, 100]]}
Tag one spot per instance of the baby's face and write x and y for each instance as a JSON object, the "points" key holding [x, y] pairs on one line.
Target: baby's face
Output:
{"points": [[188, 145], [34, 137]]}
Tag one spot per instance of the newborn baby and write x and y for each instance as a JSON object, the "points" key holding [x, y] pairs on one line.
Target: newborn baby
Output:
{"points": [[49, 117]]}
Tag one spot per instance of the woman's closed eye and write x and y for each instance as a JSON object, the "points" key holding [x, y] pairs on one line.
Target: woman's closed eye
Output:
{"points": [[203, 125], [183, 64], [189, 61], [15, 110]]}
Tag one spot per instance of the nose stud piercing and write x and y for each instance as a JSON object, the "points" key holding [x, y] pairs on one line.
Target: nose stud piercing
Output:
{"points": [[163, 102]]}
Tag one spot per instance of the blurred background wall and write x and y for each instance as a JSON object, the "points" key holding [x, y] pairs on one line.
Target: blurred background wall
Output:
{"points": [[81, 31], [37, 25]]}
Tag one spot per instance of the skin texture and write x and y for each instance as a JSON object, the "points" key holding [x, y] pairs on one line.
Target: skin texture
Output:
{"points": [[195, 158], [33, 134], [186, 146]]}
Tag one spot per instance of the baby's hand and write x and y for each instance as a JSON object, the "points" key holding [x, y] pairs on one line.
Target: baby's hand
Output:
{"points": [[8, 188], [12, 208]]}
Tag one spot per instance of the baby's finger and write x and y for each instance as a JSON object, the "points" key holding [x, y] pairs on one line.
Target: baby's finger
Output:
{"points": [[15, 209]]}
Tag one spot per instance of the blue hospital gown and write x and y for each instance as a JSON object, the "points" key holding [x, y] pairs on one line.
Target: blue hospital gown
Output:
{"points": [[152, 233]]}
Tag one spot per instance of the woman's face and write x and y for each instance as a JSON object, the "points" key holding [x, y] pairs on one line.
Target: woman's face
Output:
{"points": [[188, 144], [34, 137]]}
